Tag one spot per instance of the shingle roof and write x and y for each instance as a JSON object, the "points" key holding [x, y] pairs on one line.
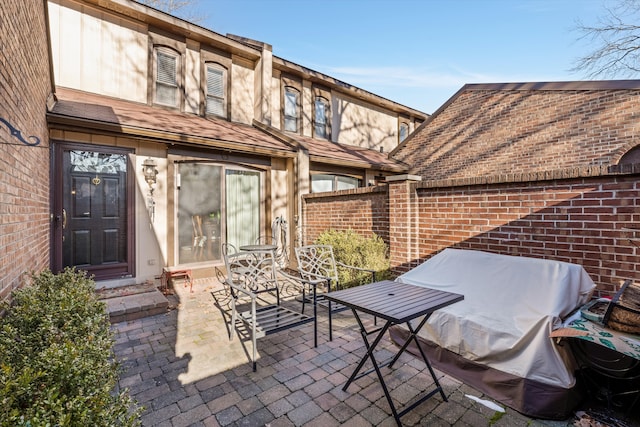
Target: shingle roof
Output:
{"points": [[135, 119], [496, 129], [77, 108], [324, 151], [333, 153]]}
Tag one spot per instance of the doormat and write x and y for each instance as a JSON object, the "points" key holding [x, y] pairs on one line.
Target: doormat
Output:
{"points": [[123, 291]]}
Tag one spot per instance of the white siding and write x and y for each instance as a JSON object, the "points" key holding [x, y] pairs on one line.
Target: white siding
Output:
{"points": [[363, 125], [242, 93], [192, 78], [97, 52], [276, 113]]}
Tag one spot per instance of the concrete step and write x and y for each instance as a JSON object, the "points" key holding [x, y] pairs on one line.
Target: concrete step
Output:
{"points": [[131, 307]]}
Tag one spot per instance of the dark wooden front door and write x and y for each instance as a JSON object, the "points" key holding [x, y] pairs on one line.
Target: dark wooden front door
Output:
{"points": [[94, 211]]}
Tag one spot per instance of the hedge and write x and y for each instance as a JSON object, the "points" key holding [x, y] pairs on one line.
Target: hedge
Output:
{"points": [[57, 366], [353, 249]]}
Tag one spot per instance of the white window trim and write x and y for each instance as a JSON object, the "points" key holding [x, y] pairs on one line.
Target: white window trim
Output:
{"points": [[327, 110], [296, 116], [406, 126], [169, 53], [216, 97]]}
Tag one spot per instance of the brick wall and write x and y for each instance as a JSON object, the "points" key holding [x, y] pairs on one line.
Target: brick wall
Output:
{"points": [[582, 221], [363, 210], [24, 169], [578, 216], [490, 132]]}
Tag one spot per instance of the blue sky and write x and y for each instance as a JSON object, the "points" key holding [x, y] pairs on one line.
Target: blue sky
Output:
{"points": [[416, 52]]}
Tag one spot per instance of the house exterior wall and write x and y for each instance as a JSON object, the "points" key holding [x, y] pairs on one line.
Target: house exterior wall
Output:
{"points": [[115, 58], [193, 71], [491, 132], [589, 219], [113, 51], [107, 48], [355, 123], [242, 92], [25, 86]]}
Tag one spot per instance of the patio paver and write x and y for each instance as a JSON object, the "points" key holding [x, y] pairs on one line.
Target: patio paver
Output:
{"points": [[183, 369]]}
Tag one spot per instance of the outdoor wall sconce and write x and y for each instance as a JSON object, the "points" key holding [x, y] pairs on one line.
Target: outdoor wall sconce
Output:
{"points": [[150, 173], [151, 176]]}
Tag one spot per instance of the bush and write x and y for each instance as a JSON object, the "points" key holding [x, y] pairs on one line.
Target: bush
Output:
{"points": [[57, 364], [351, 248]]}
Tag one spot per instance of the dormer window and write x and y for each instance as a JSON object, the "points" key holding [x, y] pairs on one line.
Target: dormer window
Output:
{"points": [[166, 78], [216, 90], [291, 109], [321, 114], [403, 132]]}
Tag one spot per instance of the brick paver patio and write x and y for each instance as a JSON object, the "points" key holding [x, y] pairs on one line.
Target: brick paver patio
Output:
{"points": [[183, 369]]}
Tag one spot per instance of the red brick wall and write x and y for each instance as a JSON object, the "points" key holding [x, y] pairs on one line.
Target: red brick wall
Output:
{"points": [[583, 220], [363, 210], [24, 170], [490, 132]]}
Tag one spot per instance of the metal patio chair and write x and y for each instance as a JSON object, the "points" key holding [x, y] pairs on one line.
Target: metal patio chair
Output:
{"points": [[317, 264], [253, 282]]}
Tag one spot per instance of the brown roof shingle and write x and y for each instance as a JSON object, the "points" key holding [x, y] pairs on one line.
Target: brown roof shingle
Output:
{"points": [[77, 108], [135, 119], [333, 153]]}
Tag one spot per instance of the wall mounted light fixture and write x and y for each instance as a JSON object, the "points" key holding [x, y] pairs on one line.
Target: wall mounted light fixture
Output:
{"points": [[150, 173]]}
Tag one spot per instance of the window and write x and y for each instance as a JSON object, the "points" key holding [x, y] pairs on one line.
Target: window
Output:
{"points": [[326, 182], [321, 113], [404, 131], [291, 101], [166, 78], [216, 90], [215, 204]]}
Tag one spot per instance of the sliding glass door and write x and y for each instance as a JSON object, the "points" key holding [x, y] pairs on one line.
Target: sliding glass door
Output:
{"points": [[243, 207], [215, 204]]}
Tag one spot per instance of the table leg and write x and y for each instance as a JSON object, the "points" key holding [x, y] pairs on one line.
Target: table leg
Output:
{"points": [[413, 335], [370, 349]]}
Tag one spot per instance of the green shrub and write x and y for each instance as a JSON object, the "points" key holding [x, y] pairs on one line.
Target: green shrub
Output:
{"points": [[351, 248], [57, 366]]}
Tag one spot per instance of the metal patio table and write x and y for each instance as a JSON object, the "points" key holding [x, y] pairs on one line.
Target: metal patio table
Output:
{"points": [[396, 303], [258, 247]]}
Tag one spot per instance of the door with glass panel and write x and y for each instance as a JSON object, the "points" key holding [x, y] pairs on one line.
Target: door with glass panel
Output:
{"points": [[93, 211], [242, 206], [216, 204]]}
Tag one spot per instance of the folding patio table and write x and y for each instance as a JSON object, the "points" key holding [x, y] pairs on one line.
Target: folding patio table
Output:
{"points": [[396, 303]]}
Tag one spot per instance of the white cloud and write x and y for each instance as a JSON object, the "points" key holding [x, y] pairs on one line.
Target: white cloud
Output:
{"points": [[422, 78], [423, 88]]}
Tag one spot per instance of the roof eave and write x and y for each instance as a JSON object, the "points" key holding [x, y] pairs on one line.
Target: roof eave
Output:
{"points": [[354, 91], [151, 16], [172, 138], [360, 165]]}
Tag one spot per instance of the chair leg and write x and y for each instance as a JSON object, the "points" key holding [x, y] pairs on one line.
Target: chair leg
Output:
{"points": [[304, 296], [253, 331], [315, 318], [330, 322], [232, 329]]}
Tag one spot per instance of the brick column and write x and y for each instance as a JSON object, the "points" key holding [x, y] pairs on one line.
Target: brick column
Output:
{"points": [[403, 222]]}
